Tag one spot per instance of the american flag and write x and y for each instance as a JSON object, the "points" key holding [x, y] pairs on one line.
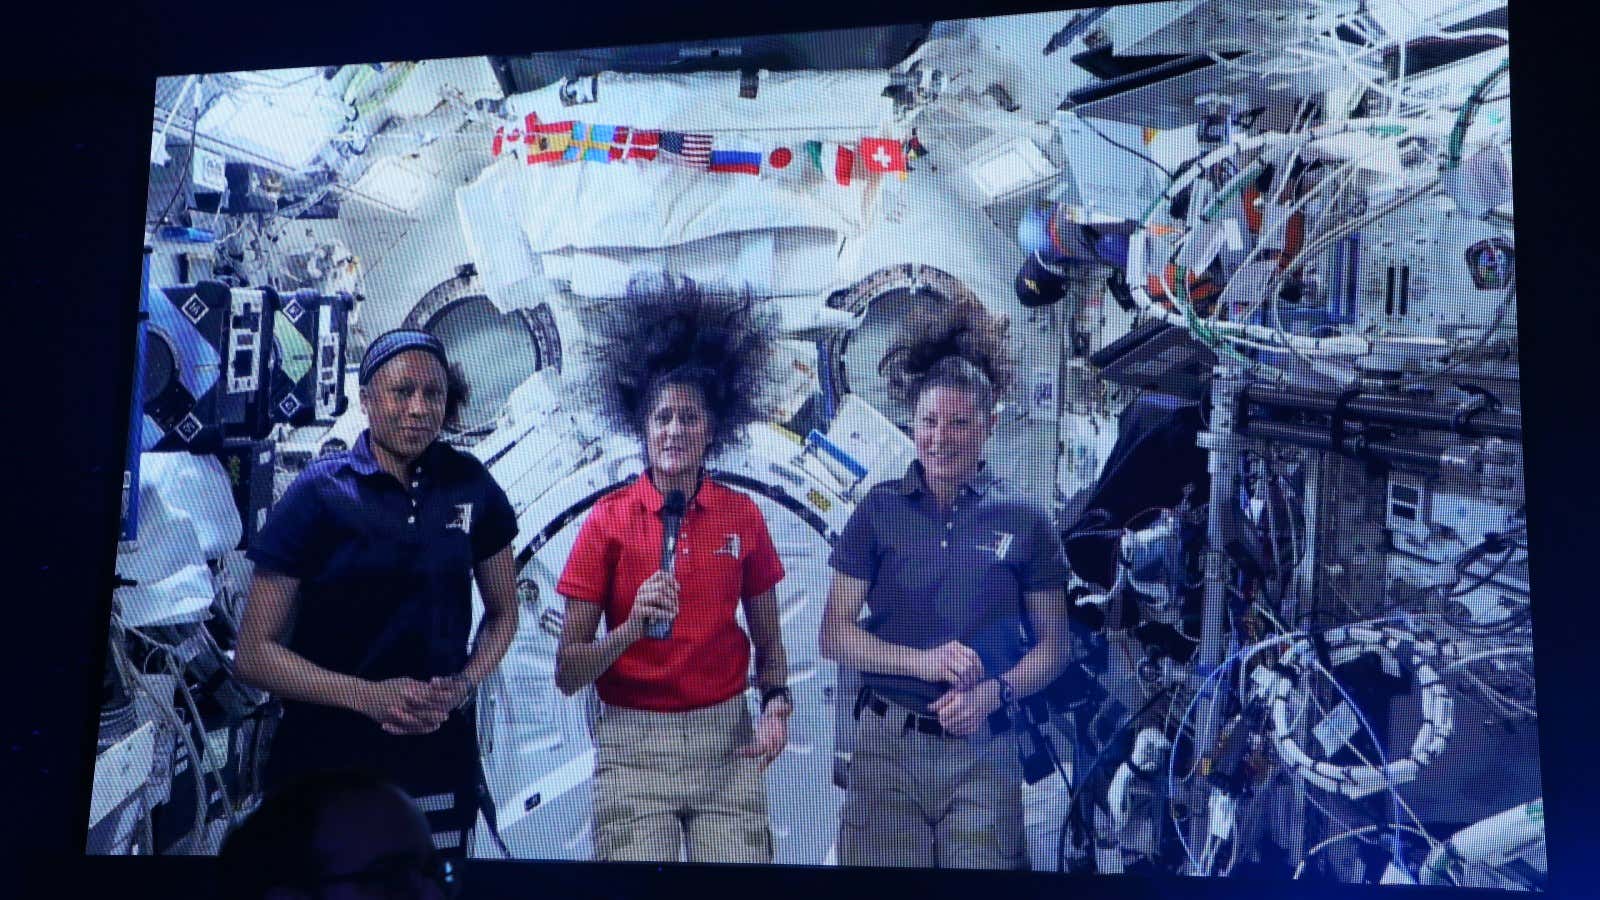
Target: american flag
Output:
{"points": [[692, 150]]}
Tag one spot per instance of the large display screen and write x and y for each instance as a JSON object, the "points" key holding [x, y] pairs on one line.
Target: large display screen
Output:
{"points": [[1206, 554]]}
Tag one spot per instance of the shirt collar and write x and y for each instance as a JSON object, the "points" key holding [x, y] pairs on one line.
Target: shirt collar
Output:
{"points": [[652, 499], [914, 481], [361, 461]]}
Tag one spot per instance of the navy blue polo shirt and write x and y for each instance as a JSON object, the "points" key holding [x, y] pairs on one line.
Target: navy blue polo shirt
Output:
{"points": [[956, 575], [385, 569]]}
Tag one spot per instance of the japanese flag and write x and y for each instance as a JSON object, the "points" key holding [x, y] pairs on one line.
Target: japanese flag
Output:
{"points": [[788, 164]]}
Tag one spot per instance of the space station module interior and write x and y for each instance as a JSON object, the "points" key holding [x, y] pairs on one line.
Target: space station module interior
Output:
{"points": [[1255, 260]]}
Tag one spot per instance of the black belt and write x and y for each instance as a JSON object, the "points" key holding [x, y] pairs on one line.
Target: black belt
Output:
{"points": [[869, 700]]}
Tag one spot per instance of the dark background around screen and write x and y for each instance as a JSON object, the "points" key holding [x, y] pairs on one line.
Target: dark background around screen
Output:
{"points": [[79, 94]]}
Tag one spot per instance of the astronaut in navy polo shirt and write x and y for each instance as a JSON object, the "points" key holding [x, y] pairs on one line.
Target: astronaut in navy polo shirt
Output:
{"points": [[360, 608], [962, 576]]}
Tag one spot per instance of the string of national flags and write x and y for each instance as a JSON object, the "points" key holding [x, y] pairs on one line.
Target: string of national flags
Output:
{"points": [[544, 143]]}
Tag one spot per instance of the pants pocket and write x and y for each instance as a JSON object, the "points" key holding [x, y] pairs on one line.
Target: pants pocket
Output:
{"points": [[983, 828], [1010, 838], [855, 829]]}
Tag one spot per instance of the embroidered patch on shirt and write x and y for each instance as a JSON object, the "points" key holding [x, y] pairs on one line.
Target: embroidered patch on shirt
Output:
{"points": [[1002, 544], [730, 547], [463, 519]]}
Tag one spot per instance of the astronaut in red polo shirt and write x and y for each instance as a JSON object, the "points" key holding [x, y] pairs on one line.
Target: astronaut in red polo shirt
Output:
{"points": [[679, 763]]}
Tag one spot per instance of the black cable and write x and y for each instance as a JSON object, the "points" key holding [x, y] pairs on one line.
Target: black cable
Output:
{"points": [[1486, 100], [1485, 578], [487, 807], [1083, 780], [186, 177], [1126, 149], [1502, 628]]}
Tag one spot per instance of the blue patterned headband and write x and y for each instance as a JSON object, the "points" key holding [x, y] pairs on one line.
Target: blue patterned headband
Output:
{"points": [[393, 343]]}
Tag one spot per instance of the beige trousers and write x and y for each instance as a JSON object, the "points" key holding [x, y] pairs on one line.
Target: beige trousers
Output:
{"points": [[673, 785], [925, 801]]}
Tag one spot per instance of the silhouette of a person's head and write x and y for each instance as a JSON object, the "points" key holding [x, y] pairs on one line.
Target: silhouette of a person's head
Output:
{"points": [[336, 835]]}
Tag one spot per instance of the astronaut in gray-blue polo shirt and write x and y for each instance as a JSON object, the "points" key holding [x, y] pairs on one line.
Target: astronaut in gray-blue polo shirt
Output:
{"points": [[962, 577]]}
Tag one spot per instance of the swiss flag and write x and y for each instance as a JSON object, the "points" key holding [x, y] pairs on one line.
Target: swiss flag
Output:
{"points": [[882, 155]]}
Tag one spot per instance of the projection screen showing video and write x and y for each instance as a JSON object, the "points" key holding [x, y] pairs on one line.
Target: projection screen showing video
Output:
{"points": [[1084, 441]]}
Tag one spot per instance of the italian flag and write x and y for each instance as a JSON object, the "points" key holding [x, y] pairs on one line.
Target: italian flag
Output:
{"points": [[835, 161]]}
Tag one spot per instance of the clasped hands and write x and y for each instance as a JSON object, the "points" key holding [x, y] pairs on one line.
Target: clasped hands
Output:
{"points": [[963, 708], [406, 706]]}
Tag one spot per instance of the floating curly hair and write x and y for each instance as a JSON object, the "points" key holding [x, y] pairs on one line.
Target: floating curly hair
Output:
{"points": [[668, 330], [950, 342], [458, 393]]}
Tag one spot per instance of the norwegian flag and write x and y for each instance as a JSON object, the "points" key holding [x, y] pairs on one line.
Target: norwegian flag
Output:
{"points": [[692, 150], [634, 143]]}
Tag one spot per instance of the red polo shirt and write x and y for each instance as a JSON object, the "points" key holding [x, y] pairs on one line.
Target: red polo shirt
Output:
{"points": [[724, 556]]}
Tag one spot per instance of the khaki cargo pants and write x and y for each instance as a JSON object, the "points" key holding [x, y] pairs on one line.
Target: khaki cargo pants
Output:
{"points": [[666, 780], [925, 801]]}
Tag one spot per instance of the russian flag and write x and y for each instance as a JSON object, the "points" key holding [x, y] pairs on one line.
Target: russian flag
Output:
{"points": [[744, 162]]}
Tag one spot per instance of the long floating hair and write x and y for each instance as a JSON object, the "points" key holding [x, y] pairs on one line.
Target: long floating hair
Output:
{"points": [[951, 341], [669, 330]]}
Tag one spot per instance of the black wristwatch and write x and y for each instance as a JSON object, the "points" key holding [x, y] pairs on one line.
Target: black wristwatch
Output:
{"points": [[771, 694], [1008, 694]]}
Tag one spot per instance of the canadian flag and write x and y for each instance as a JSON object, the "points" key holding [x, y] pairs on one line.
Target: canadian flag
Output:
{"points": [[882, 155], [506, 141]]}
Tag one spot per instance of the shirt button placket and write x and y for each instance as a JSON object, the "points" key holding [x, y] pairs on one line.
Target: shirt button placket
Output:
{"points": [[416, 484]]}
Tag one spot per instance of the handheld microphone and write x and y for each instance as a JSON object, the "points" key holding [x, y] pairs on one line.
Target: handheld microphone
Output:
{"points": [[671, 520]]}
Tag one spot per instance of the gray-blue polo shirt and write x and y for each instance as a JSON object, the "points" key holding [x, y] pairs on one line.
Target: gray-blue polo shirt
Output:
{"points": [[958, 575]]}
